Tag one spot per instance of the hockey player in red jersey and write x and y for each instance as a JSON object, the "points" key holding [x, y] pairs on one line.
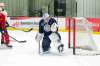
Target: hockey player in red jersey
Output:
{"points": [[4, 34]]}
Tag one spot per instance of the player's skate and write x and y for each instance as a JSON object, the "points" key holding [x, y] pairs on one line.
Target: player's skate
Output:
{"points": [[46, 52], [9, 46], [2, 42], [5, 46], [2, 45]]}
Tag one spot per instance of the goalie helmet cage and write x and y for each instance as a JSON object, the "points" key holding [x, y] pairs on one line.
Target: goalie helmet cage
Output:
{"points": [[79, 35]]}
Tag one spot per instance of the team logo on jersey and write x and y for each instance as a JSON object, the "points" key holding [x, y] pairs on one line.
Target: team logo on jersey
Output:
{"points": [[47, 27]]}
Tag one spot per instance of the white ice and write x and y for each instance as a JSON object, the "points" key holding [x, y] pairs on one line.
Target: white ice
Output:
{"points": [[26, 54]]}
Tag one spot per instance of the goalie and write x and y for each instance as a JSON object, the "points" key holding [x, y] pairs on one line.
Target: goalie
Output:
{"points": [[48, 31]]}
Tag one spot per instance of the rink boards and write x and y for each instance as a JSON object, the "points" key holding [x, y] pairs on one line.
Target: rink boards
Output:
{"points": [[25, 23]]}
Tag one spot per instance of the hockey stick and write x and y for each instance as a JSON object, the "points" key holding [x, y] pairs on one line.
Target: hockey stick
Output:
{"points": [[22, 30], [18, 40]]}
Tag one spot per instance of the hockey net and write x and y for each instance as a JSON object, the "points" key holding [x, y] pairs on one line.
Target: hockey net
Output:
{"points": [[80, 37]]}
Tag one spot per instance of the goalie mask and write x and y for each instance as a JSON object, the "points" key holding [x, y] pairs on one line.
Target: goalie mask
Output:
{"points": [[45, 16]]}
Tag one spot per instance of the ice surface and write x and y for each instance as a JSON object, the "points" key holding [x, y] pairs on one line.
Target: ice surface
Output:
{"points": [[26, 54]]}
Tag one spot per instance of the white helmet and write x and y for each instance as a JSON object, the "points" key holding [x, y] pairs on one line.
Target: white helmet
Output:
{"points": [[46, 15]]}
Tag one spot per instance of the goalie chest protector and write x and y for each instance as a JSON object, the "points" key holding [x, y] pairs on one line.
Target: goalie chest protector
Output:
{"points": [[46, 27]]}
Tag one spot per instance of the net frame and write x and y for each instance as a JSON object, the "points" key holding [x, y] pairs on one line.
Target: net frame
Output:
{"points": [[72, 34]]}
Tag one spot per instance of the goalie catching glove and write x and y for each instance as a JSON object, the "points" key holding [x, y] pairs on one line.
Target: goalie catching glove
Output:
{"points": [[54, 27]]}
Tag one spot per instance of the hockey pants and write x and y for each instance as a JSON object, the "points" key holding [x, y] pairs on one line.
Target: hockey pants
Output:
{"points": [[4, 34]]}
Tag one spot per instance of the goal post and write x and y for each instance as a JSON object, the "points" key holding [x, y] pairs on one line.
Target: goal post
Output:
{"points": [[79, 35]]}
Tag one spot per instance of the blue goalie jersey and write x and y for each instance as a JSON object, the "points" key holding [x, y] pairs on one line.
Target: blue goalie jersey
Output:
{"points": [[45, 27]]}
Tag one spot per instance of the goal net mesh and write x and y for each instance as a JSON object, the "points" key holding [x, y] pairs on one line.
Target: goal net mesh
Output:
{"points": [[80, 37]]}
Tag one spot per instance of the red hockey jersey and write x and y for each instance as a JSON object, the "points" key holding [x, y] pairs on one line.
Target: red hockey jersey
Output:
{"points": [[2, 21]]}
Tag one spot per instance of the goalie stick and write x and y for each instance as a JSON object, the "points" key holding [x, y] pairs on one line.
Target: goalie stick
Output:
{"points": [[38, 43], [22, 30], [39, 48], [18, 40]]}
